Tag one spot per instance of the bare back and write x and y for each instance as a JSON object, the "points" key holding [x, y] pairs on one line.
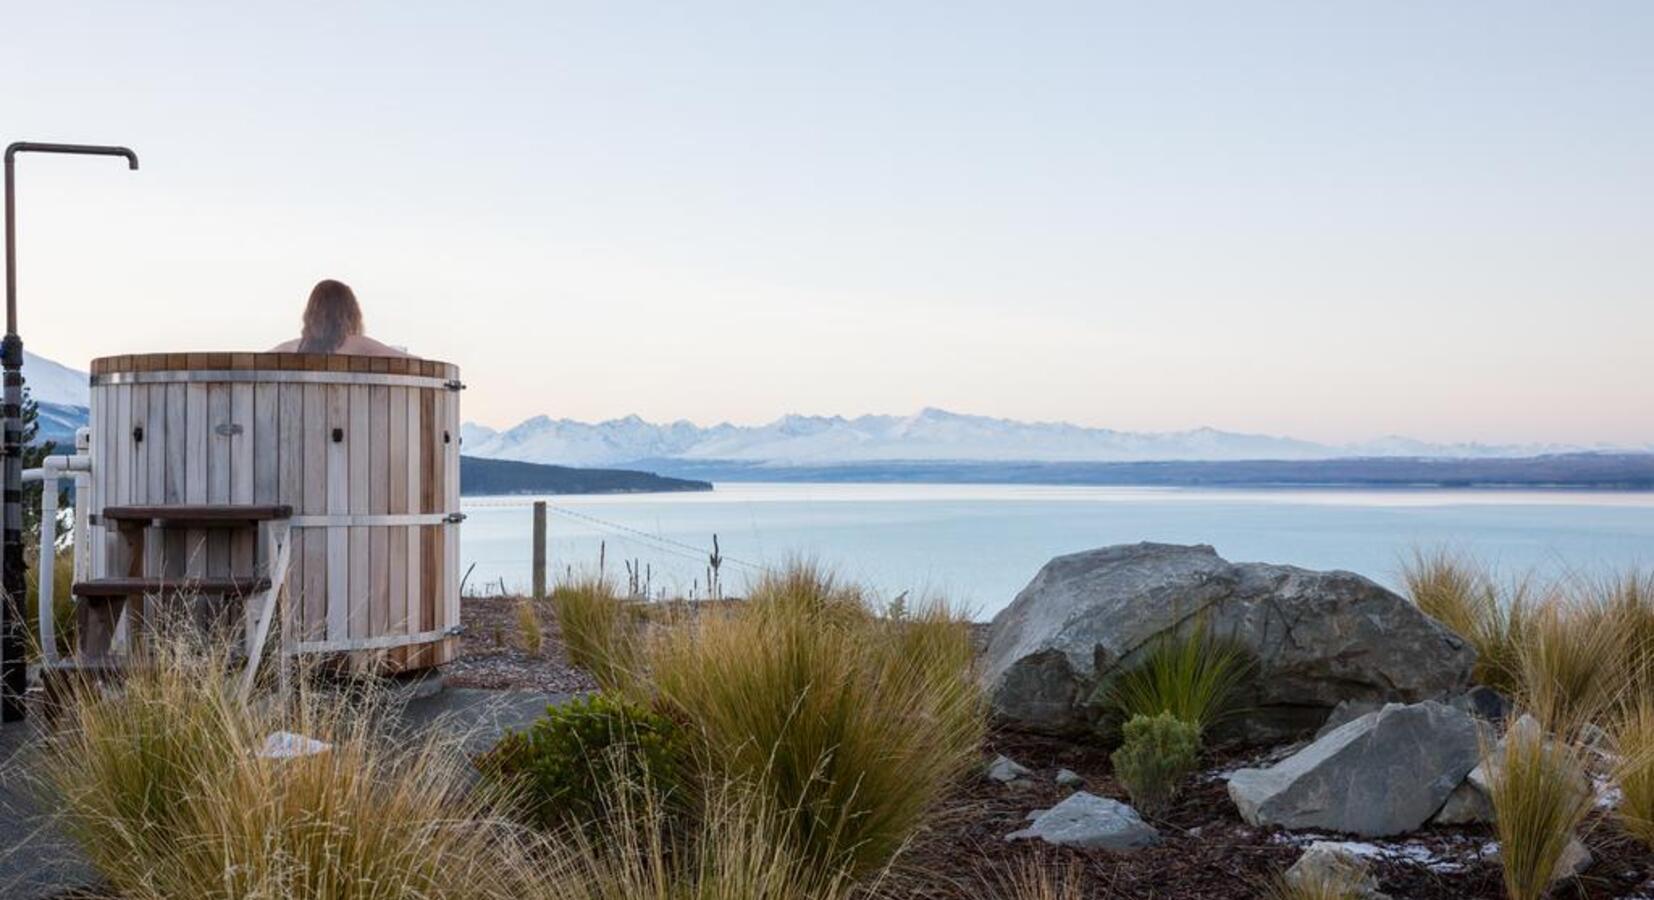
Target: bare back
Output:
{"points": [[353, 345]]}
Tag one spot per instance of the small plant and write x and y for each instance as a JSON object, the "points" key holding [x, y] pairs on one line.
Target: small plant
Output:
{"points": [[1158, 753], [1538, 804], [1191, 674], [600, 635], [1336, 884], [1634, 772], [853, 725], [528, 627], [1459, 593], [164, 790], [1033, 879], [1570, 664], [568, 761]]}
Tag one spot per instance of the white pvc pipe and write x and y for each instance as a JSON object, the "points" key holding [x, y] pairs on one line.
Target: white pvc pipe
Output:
{"points": [[52, 469]]}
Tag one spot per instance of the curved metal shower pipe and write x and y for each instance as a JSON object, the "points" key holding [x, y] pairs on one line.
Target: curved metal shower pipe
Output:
{"points": [[13, 667]]}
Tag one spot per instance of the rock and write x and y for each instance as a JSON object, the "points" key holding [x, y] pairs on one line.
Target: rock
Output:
{"points": [[287, 745], [1091, 823], [1467, 805], [1320, 638], [1347, 711], [1472, 801], [1327, 863], [1483, 702], [1006, 770], [1575, 859], [1382, 774], [1069, 778]]}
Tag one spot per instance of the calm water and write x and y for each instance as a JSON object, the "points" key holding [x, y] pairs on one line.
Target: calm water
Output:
{"points": [[979, 544]]}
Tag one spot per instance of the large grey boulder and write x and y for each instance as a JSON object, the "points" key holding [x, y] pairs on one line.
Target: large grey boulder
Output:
{"points": [[1320, 638], [1090, 822], [1382, 774]]}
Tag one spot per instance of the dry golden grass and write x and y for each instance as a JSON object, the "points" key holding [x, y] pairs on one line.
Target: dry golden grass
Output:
{"points": [[599, 631], [162, 787], [1633, 738], [731, 852], [529, 632], [1462, 595], [1335, 885], [1033, 879], [1571, 664], [853, 724], [1540, 797]]}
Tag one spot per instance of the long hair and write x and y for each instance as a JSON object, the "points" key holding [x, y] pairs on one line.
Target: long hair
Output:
{"points": [[331, 316]]}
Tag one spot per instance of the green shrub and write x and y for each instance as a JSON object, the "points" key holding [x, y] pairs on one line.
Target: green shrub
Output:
{"points": [[599, 633], [1159, 751], [854, 725], [1192, 674], [568, 761]]}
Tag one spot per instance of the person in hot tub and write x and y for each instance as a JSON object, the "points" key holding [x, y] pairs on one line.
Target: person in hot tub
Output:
{"points": [[333, 324]]}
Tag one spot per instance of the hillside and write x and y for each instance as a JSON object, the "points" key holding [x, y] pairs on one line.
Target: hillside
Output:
{"points": [[499, 476], [1624, 471]]}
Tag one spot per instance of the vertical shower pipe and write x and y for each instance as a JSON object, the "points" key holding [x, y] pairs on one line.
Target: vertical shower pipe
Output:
{"points": [[13, 668]]}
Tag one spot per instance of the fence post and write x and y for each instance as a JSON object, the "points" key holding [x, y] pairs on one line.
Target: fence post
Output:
{"points": [[539, 549]]}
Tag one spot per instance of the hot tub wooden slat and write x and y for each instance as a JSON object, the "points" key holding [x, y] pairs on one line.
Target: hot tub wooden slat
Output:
{"points": [[361, 600], [242, 438], [338, 502], [315, 501]]}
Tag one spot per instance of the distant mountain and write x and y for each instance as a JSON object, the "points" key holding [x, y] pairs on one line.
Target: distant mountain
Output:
{"points": [[500, 476], [928, 435]]}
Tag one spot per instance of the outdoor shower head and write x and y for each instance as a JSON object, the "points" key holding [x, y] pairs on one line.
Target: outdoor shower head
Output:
{"points": [[83, 149]]}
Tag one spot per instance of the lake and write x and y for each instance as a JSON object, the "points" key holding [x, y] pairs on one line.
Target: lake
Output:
{"points": [[980, 544]]}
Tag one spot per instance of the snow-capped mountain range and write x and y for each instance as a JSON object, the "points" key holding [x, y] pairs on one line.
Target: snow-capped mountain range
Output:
{"points": [[928, 435], [932, 435]]}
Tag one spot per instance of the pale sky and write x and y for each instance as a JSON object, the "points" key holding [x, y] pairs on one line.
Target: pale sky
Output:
{"points": [[1326, 219]]}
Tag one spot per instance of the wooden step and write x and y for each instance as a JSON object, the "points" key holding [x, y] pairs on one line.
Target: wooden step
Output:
{"points": [[109, 588], [198, 515]]}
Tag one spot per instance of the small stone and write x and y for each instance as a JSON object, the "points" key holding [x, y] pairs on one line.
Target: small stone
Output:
{"points": [[1090, 822], [1576, 858], [1069, 778], [1331, 864], [1006, 770], [1482, 702], [287, 745], [1467, 805]]}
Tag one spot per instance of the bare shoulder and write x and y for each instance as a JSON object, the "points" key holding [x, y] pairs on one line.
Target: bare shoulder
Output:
{"points": [[285, 347], [362, 345]]}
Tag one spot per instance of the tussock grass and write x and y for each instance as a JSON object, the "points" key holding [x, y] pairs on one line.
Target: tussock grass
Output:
{"points": [[735, 851], [162, 788], [852, 724], [1459, 592], [1339, 884], [1538, 802], [63, 604], [1191, 674], [598, 630], [1633, 739], [529, 632], [1032, 879], [1571, 664]]}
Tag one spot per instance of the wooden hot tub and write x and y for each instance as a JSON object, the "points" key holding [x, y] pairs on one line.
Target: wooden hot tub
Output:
{"points": [[365, 451]]}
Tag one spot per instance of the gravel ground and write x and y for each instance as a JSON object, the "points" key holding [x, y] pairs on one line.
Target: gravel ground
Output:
{"points": [[492, 653]]}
